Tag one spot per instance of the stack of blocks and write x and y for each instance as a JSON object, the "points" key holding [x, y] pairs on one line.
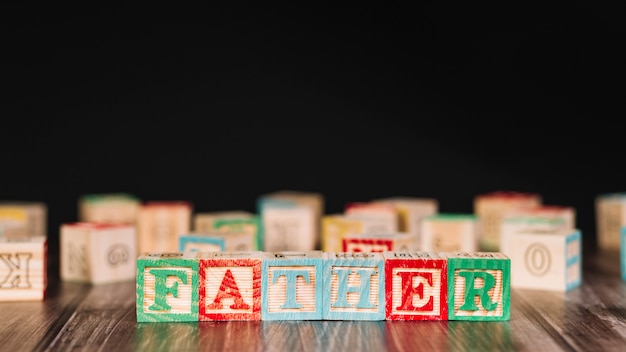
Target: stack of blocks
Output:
{"points": [[316, 285]]}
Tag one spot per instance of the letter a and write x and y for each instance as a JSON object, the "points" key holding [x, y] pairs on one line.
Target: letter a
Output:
{"points": [[228, 288]]}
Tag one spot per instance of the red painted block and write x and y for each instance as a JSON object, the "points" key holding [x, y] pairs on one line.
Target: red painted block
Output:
{"points": [[230, 285], [416, 286]]}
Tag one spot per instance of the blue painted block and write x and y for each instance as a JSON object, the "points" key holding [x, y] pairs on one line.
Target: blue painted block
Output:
{"points": [[292, 286], [201, 243], [354, 286], [573, 260]]}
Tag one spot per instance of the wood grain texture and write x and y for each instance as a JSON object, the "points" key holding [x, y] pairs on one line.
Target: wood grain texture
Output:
{"points": [[84, 317], [23, 272]]}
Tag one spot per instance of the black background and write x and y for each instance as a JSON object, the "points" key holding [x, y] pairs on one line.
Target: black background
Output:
{"points": [[218, 106]]}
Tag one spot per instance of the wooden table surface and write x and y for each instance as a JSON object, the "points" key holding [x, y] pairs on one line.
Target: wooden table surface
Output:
{"points": [[102, 318]]}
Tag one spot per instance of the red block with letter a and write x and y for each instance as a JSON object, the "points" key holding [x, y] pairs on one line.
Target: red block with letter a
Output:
{"points": [[416, 285], [230, 285]]}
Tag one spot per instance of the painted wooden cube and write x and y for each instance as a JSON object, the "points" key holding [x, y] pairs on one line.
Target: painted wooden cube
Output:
{"points": [[309, 230], [540, 218], [490, 207], [201, 242], [159, 225], [293, 286], [23, 219], [235, 221], [610, 211], [379, 242], [450, 232], [230, 285], [376, 217], [337, 226], [479, 286], [416, 285], [410, 211], [354, 286], [109, 208], [167, 287], [546, 260], [233, 241], [287, 226], [23, 266], [97, 253]]}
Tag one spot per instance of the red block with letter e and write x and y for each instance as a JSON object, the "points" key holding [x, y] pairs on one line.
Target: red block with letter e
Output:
{"points": [[230, 285], [416, 286]]}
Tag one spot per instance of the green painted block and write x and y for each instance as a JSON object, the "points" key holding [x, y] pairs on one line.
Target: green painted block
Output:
{"points": [[167, 287], [479, 286]]}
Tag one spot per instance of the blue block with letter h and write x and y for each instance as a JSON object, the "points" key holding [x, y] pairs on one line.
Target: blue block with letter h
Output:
{"points": [[354, 286]]}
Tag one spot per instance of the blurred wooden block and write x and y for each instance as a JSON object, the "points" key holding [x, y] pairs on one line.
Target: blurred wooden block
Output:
{"points": [[490, 207], [450, 232], [292, 286], [23, 219], [378, 242], [23, 264], [337, 226], [479, 286], [610, 211], [159, 225], [235, 221], [97, 253], [232, 241], [200, 242], [540, 218], [416, 286], [230, 285], [287, 225], [111, 208], [410, 211], [355, 286], [376, 217], [546, 260], [167, 287]]}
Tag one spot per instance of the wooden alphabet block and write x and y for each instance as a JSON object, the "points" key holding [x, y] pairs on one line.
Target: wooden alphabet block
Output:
{"points": [[235, 221], [376, 217], [416, 286], [546, 260], [540, 218], [23, 219], [355, 286], [287, 226], [337, 226], [410, 211], [301, 230], [167, 287], [23, 264], [97, 253], [448, 232], [230, 285], [379, 242], [159, 224], [110, 208], [233, 241], [200, 242], [293, 286], [490, 207], [610, 211], [479, 286]]}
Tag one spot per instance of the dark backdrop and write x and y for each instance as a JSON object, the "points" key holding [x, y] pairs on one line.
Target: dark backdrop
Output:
{"points": [[219, 106]]}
